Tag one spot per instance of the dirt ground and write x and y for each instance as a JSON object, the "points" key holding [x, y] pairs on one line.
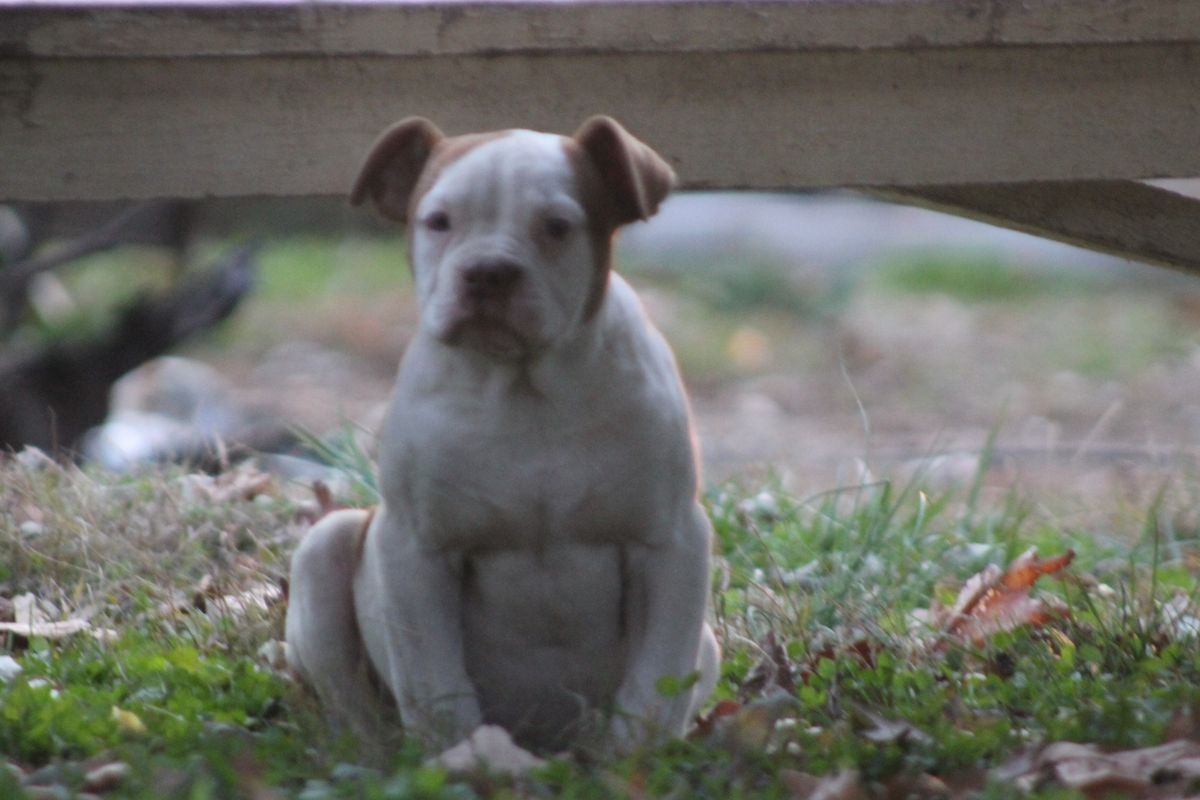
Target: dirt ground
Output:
{"points": [[897, 387], [1083, 392]]}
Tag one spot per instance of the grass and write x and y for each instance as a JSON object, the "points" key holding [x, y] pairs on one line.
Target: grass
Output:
{"points": [[110, 281], [979, 277], [812, 596], [828, 584]]}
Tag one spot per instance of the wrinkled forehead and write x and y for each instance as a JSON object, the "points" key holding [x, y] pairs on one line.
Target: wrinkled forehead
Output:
{"points": [[512, 168]]}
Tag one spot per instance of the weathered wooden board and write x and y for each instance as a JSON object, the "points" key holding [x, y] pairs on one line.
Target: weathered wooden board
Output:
{"points": [[1124, 218], [176, 28], [96, 128], [960, 101]]}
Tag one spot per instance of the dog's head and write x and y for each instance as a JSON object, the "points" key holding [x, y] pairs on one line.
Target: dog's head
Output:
{"points": [[510, 232]]}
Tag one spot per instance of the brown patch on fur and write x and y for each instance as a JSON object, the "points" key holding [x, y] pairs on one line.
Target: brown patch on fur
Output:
{"points": [[637, 178], [446, 153], [602, 221], [393, 164], [620, 180]]}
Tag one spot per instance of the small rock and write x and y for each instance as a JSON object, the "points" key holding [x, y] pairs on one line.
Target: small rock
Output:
{"points": [[317, 790], [39, 683], [764, 504], [9, 668], [30, 528], [106, 778], [35, 460], [343, 772], [48, 775], [274, 654]]}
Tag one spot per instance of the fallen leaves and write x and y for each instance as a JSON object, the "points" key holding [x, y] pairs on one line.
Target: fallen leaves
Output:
{"points": [[745, 728], [844, 785], [32, 620], [890, 731], [995, 601], [98, 775], [257, 597], [244, 483], [1148, 771], [1166, 771]]}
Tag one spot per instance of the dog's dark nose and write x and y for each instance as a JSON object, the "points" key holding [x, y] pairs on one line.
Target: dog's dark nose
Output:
{"points": [[491, 278]]}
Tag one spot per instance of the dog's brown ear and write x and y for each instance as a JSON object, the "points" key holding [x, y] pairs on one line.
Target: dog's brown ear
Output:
{"points": [[393, 165], [637, 177]]}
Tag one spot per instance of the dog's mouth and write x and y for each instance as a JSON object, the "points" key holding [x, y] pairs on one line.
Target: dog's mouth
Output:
{"points": [[489, 334]]}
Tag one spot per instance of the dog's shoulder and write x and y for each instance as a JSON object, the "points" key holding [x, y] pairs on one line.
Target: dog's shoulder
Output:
{"points": [[637, 349]]}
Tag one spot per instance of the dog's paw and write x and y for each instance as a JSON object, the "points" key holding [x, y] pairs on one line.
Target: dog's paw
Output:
{"points": [[488, 749], [629, 733]]}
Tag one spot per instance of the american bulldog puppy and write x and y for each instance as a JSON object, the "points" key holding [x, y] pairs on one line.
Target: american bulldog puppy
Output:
{"points": [[539, 554]]}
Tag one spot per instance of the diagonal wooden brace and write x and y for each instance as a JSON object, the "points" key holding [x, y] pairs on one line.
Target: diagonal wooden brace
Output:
{"points": [[1129, 219]]}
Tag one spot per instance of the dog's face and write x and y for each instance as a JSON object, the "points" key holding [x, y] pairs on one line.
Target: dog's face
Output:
{"points": [[502, 250], [509, 233]]}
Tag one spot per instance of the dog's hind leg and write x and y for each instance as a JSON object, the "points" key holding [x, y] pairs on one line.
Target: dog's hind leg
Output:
{"points": [[324, 645], [708, 665]]}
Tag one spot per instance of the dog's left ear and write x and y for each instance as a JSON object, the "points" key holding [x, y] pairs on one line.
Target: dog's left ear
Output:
{"points": [[394, 163], [636, 176]]}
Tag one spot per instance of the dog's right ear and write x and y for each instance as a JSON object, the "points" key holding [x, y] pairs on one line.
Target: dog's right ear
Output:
{"points": [[390, 172]]}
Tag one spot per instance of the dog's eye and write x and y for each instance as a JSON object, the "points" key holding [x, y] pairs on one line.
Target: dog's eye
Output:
{"points": [[438, 221], [556, 228]]}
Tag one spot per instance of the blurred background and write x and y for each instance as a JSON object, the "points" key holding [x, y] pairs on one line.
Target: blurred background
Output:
{"points": [[827, 339]]}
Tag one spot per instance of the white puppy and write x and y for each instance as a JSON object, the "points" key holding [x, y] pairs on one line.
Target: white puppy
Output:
{"points": [[539, 550]]}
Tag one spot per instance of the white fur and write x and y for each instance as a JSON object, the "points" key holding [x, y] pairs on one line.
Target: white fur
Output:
{"points": [[496, 197], [539, 550]]}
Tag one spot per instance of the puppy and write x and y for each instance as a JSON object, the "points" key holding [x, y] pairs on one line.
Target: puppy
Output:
{"points": [[539, 552]]}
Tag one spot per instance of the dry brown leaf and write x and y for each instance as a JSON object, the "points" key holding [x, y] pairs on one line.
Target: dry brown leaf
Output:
{"points": [[802, 786], [863, 651], [888, 731], [258, 597], [773, 671], [992, 601], [242, 484], [106, 777], [30, 621], [1095, 773], [704, 725], [745, 728], [924, 785], [325, 502], [46, 630]]}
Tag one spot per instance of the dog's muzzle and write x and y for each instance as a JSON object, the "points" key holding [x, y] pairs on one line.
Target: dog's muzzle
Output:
{"points": [[489, 281], [490, 313]]}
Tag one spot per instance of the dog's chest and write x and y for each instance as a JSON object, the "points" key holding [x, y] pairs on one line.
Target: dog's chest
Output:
{"points": [[524, 479]]}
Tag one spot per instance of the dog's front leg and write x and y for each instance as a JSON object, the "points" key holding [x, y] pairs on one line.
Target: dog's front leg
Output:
{"points": [[666, 585], [410, 606]]}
